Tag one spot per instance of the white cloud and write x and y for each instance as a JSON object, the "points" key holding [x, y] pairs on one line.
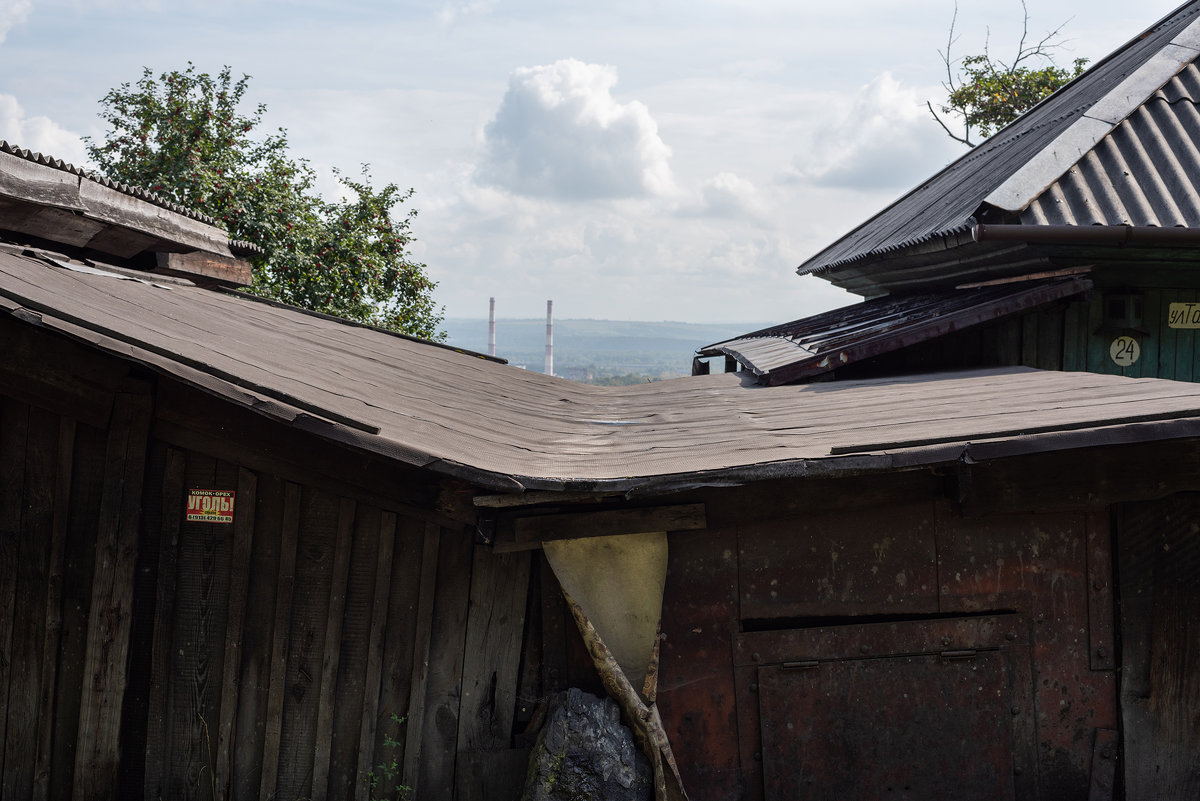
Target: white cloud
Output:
{"points": [[454, 11], [40, 134], [728, 196], [12, 14], [883, 139], [559, 133]]}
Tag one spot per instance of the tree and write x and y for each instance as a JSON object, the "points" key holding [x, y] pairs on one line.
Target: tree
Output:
{"points": [[184, 137], [990, 93]]}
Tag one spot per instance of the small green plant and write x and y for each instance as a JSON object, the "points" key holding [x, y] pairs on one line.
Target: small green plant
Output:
{"points": [[386, 773]]}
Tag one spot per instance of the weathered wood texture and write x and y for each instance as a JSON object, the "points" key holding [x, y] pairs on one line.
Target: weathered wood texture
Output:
{"points": [[696, 694], [105, 661], [1069, 335], [857, 574], [1159, 565]]}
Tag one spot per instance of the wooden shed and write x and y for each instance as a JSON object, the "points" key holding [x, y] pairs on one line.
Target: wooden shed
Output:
{"points": [[248, 551]]}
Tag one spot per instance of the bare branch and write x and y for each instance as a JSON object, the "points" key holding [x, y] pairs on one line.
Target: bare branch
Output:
{"points": [[965, 140]]}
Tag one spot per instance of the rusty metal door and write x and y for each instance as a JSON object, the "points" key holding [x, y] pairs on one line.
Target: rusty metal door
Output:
{"points": [[922, 710]]}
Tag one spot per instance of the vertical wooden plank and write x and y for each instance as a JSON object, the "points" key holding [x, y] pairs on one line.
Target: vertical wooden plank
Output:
{"points": [[87, 490], [1074, 356], [1147, 365], [495, 621], [333, 642], [249, 734], [306, 646], [54, 611], [279, 639], [1050, 338], [444, 682], [97, 755], [1168, 337], [197, 637], [1185, 346], [157, 741], [554, 630], [697, 692], [1101, 647], [374, 667], [352, 660], [13, 442], [239, 580], [1029, 339], [398, 650], [28, 627], [1098, 360], [1008, 341], [420, 662]]}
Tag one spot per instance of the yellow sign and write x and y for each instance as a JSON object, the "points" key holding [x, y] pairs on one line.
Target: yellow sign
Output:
{"points": [[1183, 315]]}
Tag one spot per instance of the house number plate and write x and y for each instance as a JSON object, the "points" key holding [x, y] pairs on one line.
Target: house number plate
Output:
{"points": [[1124, 351]]}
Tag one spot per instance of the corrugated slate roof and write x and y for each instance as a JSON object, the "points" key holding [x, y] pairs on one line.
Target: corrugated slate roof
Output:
{"points": [[1138, 167], [824, 342], [506, 428]]}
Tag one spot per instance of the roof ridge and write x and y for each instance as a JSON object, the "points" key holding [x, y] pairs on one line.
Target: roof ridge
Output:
{"points": [[1101, 118]]}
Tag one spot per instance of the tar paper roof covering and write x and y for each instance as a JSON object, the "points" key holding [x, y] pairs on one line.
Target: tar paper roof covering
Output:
{"points": [[506, 428], [1135, 147]]}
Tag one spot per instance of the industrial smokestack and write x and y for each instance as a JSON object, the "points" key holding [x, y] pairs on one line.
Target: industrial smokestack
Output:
{"points": [[549, 338], [491, 326]]}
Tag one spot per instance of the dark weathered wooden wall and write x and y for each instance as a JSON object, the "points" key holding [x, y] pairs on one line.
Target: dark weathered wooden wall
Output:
{"points": [[807, 636], [339, 624], [1159, 568]]}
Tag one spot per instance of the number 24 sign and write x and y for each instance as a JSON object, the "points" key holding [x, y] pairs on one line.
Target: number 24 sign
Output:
{"points": [[1124, 351]]}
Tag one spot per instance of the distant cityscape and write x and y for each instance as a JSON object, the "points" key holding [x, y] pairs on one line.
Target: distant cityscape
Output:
{"points": [[596, 351]]}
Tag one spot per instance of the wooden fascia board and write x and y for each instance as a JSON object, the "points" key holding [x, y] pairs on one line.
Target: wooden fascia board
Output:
{"points": [[531, 532]]}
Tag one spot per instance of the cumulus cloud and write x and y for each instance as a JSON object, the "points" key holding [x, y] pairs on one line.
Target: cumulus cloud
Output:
{"points": [[559, 133], [726, 195], [12, 14], [884, 139], [40, 134]]}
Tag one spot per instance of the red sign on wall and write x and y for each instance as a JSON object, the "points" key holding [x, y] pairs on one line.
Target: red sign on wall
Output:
{"points": [[210, 506]]}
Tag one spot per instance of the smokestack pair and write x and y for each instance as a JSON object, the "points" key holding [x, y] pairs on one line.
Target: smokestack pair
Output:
{"points": [[549, 368]]}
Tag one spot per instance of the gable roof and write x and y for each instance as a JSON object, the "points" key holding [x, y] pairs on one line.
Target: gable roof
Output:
{"points": [[1118, 146], [504, 428]]}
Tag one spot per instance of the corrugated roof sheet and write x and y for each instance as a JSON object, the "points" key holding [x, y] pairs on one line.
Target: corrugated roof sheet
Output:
{"points": [[824, 342], [506, 428], [1146, 172], [1014, 166]]}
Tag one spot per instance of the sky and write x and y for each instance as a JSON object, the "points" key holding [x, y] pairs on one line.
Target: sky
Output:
{"points": [[641, 160]]}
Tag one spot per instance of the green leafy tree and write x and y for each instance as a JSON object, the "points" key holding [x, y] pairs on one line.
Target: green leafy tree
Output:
{"points": [[184, 136], [989, 93]]}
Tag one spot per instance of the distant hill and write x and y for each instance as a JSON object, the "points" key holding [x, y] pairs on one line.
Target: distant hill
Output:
{"points": [[605, 348]]}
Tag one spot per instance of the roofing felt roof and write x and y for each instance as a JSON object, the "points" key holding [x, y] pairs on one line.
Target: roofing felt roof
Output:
{"points": [[824, 342], [506, 428], [1134, 150]]}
